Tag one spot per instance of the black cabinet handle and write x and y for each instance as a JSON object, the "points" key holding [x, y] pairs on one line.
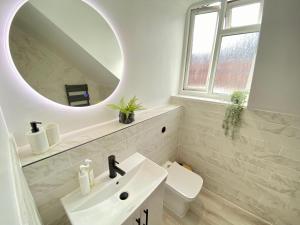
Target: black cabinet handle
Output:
{"points": [[138, 221], [146, 211]]}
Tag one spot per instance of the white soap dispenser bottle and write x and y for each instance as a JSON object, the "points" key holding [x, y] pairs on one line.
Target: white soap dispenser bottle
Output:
{"points": [[87, 163], [37, 139], [84, 180]]}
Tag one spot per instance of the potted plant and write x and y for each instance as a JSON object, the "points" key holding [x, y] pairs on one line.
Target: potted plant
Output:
{"points": [[126, 110], [233, 114]]}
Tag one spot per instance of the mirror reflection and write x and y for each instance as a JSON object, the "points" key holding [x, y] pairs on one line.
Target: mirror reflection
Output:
{"points": [[66, 51]]}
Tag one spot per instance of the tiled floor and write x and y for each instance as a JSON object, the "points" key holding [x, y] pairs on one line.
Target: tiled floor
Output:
{"points": [[210, 209], [190, 219]]}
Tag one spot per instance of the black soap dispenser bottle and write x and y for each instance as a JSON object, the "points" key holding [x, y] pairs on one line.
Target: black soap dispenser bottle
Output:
{"points": [[37, 138]]}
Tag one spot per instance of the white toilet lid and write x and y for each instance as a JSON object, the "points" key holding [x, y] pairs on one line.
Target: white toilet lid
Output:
{"points": [[183, 181]]}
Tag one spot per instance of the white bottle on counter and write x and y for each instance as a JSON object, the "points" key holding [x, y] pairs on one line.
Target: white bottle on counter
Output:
{"points": [[84, 180], [37, 139], [87, 163]]}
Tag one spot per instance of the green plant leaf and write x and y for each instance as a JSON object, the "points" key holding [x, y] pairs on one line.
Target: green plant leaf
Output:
{"points": [[233, 114], [127, 108], [238, 97], [114, 106]]}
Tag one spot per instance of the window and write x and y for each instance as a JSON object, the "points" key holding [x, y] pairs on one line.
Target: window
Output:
{"points": [[221, 47]]}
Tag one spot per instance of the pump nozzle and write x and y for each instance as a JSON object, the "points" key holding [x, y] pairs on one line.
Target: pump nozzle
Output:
{"points": [[34, 127], [83, 169], [87, 162]]}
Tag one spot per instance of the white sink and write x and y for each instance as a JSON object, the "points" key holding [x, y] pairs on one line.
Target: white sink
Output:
{"points": [[103, 205]]}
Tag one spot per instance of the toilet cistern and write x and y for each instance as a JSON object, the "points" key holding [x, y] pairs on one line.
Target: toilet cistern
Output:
{"points": [[113, 169]]}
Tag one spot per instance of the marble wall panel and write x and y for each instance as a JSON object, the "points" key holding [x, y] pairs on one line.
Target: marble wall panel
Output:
{"points": [[54, 177], [258, 171]]}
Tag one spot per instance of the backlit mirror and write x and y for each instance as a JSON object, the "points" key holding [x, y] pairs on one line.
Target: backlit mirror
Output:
{"points": [[66, 51]]}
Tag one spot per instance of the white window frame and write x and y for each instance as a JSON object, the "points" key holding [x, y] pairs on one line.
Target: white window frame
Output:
{"points": [[220, 33]]}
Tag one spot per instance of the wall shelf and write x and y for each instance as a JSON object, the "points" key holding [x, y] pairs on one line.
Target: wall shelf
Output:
{"points": [[79, 137]]}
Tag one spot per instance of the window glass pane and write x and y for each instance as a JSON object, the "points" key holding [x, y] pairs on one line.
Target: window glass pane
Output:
{"points": [[203, 40], [245, 15], [235, 63]]}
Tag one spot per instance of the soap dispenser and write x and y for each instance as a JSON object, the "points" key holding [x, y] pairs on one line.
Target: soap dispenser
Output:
{"points": [[37, 138], [87, 163], [84, 179]]}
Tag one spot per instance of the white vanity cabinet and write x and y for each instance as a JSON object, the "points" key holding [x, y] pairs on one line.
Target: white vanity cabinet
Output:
{"points": [[150, 212]]}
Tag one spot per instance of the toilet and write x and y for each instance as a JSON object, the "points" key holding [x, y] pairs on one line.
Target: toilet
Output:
{"points": [[182, 187]]}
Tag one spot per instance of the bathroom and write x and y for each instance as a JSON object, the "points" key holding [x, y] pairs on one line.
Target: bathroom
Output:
{"points": [[173, 112]]}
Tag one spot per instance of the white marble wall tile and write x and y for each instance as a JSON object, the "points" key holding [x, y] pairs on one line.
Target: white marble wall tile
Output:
{"points": [[91, 150], [276, 207], [273, 117], [53, 209], [243, 200], [118, 149], [260, 129], [291, 153], [112, 139], [46, 167], [49, 184], [167, 151]]}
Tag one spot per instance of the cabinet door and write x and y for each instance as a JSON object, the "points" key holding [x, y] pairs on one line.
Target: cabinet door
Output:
{"points": [[151, 211], [127, 222], [134, 219]]}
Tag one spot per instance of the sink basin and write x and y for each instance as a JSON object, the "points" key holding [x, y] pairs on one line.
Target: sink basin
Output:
{"points": [[112, 201]]}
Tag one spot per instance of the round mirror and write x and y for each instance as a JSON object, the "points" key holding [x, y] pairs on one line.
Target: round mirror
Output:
{"points": [[66, 51]]}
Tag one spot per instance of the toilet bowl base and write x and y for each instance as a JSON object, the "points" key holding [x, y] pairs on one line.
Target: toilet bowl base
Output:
{"points": [[176, 203]]}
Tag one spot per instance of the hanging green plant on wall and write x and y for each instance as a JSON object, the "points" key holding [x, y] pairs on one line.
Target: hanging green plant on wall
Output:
{"points": [[232, 120]]}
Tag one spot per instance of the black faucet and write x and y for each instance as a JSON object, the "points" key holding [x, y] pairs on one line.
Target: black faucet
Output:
{"points": [[113, 169]]}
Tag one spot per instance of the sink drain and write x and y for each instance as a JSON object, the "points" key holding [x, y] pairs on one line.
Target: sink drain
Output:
{"points": [[124, 195]]}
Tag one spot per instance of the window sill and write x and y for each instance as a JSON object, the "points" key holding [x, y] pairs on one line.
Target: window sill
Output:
{"points": [[201, 99], [204, 99]]}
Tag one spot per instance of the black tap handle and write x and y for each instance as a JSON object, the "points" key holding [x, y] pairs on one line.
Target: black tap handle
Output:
{"points": [[117, 162], [146, 211], [138, 221]]}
